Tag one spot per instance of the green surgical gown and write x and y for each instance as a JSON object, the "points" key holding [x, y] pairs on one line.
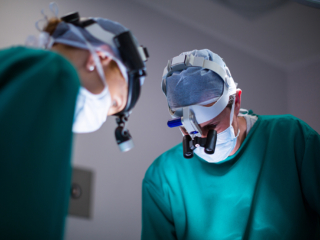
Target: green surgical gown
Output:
{"points": [[38, 90], [269, 189]]}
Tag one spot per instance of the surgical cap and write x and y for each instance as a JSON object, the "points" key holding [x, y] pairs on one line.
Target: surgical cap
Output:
{"points": [[196, 85], [64, 35]]}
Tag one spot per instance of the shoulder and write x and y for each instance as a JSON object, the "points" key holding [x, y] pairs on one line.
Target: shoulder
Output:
{"points": [[27, 58], [281, 120], [165, 164], [22, 62], [20, 53], [287, 123]]}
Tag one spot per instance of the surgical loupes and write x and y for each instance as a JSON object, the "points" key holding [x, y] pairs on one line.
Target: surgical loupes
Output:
{"points": [[194, 139], [123, 137]]}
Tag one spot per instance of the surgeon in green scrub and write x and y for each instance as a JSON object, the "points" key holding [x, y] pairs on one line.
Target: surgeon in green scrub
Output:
{"points": [[72, 85], [236, 175]]}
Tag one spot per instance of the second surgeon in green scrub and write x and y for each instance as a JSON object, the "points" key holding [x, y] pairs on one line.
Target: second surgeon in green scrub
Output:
{"points": [[262, 182], [46, 95]]}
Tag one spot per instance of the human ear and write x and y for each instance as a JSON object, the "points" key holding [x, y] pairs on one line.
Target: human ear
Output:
{"points": [[104, 59], [91, 65], [237, 103]]}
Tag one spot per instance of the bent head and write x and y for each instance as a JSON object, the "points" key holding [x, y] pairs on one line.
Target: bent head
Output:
{"points": [[200, 81], [110, 65], [202, 95], [85, 65]]}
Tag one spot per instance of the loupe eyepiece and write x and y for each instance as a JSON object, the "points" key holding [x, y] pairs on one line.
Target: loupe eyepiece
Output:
{"points": [[124, 139], [187, 151], [122, 134], [211, 142]]}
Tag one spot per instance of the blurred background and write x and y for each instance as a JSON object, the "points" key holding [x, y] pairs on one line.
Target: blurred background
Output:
{"points": [[272, 48]]}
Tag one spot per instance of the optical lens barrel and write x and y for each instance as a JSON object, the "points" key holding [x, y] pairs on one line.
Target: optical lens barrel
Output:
{"points": [[211, 142], [187, 152]]}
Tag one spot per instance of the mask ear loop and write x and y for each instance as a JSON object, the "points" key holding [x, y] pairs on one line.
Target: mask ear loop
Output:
{"points": [[232, 112], [231, 117], [121, 66], [96, 59]]}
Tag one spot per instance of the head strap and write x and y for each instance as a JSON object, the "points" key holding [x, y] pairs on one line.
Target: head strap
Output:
{"points": [[183, 62]]}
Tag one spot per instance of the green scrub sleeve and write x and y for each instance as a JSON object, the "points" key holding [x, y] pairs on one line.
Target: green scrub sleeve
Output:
{"points": [[38, 90], [310, 171], [157, 220]]}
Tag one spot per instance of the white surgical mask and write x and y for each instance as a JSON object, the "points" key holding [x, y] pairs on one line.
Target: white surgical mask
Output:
{"points": [[226, 141], [91, 110]]}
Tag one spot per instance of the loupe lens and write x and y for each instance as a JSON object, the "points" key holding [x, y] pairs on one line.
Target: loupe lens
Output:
{"points": [[124, 139], [187, 152], [211, 142]]}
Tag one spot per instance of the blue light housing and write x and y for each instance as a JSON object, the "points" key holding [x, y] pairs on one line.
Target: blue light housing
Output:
{"points": [[174, 123]]}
